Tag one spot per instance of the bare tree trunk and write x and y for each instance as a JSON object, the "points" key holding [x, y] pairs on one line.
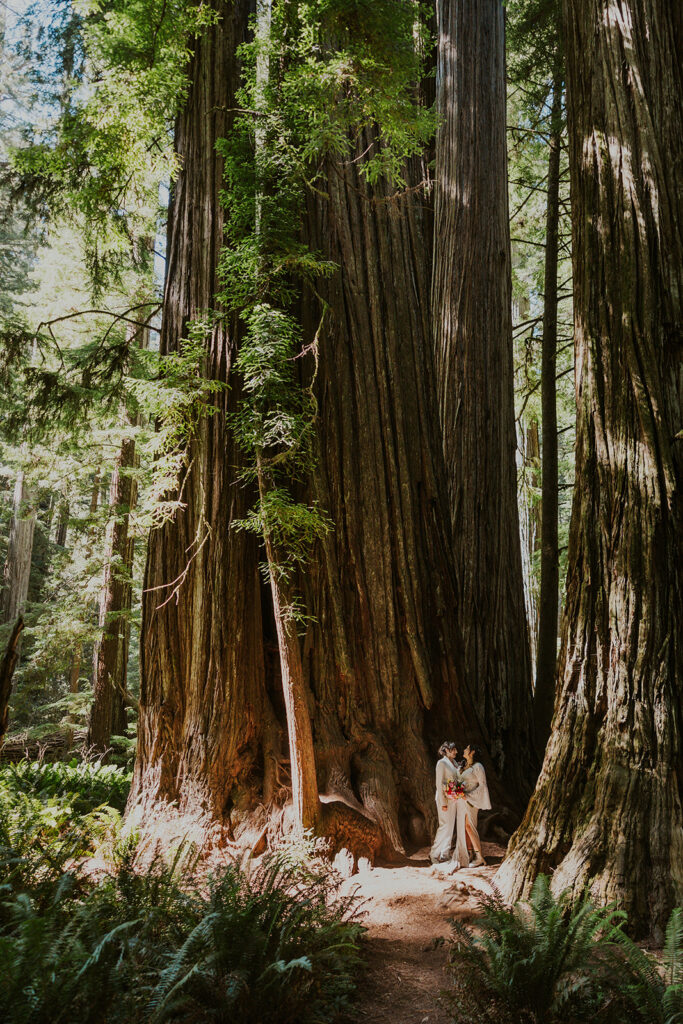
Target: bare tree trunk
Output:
{"points": [[472, 331], [108, 712], [307, 809], [19, 552], [202, 687], [546, 661], [607, 806], [77, 656], [7, 667], [62, 522], [530, 525]]}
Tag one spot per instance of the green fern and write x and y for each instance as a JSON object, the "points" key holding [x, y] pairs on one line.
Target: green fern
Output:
{"points": [[542, 960], [272, 944], [652, 991]]}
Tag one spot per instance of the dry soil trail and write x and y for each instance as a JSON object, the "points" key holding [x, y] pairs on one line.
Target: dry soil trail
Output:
{"points": [[408, 910]]}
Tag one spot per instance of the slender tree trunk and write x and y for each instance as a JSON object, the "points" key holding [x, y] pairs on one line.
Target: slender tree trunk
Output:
{"points": [[19, 552], [546, 661], [607, 807], [201, 687], [307, 809], [7, 666], [62, 523], [77, 655], [472, 331], [530, 525], [108, 712]]}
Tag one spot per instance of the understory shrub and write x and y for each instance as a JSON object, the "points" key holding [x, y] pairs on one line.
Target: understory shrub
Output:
{"points": [[555, 960], [86, 784], [275, 944]]}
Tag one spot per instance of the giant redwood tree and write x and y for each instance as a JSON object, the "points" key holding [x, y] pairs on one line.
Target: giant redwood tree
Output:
{"points": [[472, 331], [201, 695], [607, 807], [383, 655]]}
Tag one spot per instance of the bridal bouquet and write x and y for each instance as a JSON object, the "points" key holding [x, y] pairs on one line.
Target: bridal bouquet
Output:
{"points": [[454, 790]]}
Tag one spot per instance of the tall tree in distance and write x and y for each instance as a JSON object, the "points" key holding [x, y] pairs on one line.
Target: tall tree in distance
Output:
{"points": [[108, 712], [19, 551], [607, 806], [472, 331], [548, 604], [536, 65]]}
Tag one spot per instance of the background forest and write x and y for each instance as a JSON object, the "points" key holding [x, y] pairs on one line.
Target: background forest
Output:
{"points": [[341, 365]]}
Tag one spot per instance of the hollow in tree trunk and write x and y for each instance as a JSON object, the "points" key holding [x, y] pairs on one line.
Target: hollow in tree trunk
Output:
{"points": [[607, 806], [472, 332]]}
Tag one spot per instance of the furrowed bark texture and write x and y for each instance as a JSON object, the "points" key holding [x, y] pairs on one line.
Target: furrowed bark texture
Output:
{"points": [[382, 657], [202, 659], [472, 331], [7, 667], [607, 807], [19, 552], [108, 713], [546, 660]]}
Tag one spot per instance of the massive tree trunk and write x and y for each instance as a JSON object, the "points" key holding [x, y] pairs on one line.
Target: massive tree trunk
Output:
{"points": [[108, 711], [607, 807], [472, 330], [382, 656], [201, 692], [546, 660], [19, 552]]}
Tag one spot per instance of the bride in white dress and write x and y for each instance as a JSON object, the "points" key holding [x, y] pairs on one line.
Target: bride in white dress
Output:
{"points": [[473, 779], [446, 770]]}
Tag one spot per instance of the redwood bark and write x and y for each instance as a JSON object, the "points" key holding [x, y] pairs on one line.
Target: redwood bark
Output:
{"points": [[7, 666], [546, 659], [201, 687], [472, 332], [382, 656], [108, 713], [607, 807], [19, 552]]}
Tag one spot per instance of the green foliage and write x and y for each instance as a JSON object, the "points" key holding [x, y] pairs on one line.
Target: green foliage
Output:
{"points": [[548, 961], [322, 80], [278, 944], [652, 990], [272, 946], [41, 837], [86, 785]]}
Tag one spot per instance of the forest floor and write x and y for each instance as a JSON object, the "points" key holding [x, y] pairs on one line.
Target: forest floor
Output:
{"points": [[408, 910]]}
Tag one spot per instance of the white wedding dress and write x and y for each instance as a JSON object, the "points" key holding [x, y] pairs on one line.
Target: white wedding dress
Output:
{"points": [[474, 782], [441, 847]]}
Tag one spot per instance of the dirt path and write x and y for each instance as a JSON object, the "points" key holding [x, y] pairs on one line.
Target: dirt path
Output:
{"points": [[408, 911]]}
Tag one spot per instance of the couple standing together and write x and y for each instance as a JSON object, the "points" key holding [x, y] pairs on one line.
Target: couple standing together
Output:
{"points": [[461, 792]]}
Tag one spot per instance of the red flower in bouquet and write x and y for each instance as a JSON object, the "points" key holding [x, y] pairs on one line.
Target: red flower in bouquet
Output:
{"points": [[454, 790]]}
